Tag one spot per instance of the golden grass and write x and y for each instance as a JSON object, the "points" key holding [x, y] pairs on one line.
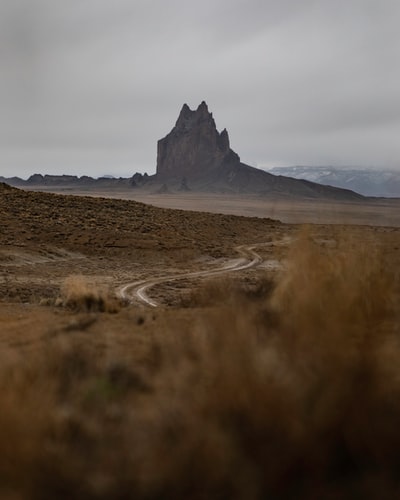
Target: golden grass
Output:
{"points": [[80, 295], [293, 395]]}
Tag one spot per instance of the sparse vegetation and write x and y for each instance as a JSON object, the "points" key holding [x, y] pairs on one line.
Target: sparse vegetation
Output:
{"points": [[267, 384], [229, 291], [80, 295], [293, 395]]}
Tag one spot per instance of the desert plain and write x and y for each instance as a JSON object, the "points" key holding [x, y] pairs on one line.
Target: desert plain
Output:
{"points": [[198, 346]]}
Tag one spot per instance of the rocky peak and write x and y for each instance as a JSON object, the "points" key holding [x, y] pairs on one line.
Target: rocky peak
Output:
{"points": [[194, 145], [188, 119], [202, 110], [223, 141], [184, 117], [36, 179]]}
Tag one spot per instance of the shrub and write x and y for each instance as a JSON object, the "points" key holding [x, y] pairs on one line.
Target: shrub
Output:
{"points": [[81, 295]]}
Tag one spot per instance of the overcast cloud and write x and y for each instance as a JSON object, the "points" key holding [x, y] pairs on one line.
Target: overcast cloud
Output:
{"points": [[89, 86]]}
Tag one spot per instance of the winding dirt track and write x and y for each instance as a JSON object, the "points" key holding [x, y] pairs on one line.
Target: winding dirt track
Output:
{"points": [[137, 290]]}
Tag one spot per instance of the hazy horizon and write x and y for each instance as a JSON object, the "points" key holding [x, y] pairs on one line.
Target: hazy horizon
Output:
{"points": [[87, 88], [71, 172]]}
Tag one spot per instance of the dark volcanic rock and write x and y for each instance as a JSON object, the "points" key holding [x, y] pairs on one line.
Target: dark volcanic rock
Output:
{"points": [[138, 180], [195, 157], [163, 189], [184, 185], [85, 182], [52, 180], [195, 151], [194, 147], [35, 179]]}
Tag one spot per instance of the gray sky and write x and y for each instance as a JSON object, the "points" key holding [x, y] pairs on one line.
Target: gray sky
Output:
{"points": [[89, 86]]}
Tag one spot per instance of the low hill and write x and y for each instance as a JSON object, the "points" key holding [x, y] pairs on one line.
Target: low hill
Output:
{"points": [[103, 226]]}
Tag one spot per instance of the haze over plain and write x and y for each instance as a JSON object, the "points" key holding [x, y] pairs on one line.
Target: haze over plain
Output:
{"points": [[89, 87]]}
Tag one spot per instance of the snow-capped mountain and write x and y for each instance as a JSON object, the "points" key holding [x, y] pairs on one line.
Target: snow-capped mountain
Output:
{"points": [[369, 182]]}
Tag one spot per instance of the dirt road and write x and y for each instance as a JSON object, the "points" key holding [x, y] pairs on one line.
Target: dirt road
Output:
{"points": [[138, 290]]}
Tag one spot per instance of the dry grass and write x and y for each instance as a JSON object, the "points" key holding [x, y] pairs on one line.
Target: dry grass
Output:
{"points": [[81, 295], [229, 291], [293, 395]]}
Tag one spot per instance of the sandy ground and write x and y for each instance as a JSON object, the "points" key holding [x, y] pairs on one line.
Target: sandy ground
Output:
{"points": [[372, 211]]}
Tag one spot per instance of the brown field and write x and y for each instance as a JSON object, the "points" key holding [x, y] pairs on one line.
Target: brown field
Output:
{"points": [[279, 380], [372, 211]]}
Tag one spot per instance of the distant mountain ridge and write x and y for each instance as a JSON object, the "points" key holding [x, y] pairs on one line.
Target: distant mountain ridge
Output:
{"points": [[368, 182], [73, 181]]}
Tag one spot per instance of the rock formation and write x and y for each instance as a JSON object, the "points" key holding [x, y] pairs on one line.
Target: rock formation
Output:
{"points": [[194, 147], [138, 180], [195, 155]]}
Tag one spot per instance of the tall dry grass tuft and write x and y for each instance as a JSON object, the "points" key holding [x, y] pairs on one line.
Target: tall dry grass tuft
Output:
{"points": [[80, 295], [229, 292], [296, 395]]}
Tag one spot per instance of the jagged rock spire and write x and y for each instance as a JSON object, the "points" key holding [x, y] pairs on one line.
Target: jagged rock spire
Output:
{"points": [[194, 145]]}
